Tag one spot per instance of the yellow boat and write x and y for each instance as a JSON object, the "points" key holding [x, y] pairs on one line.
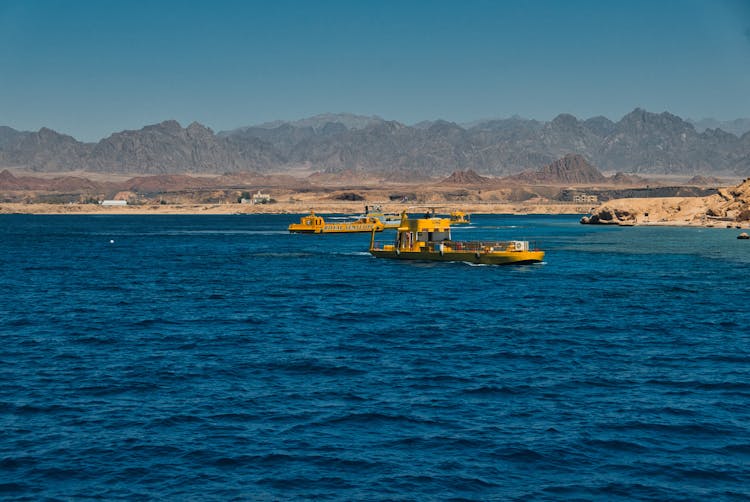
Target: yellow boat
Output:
{"points": [[314, 224], [430, 239], [459, 217]]}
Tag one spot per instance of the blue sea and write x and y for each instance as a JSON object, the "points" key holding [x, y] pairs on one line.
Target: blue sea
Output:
{"points": [[221, 358]]}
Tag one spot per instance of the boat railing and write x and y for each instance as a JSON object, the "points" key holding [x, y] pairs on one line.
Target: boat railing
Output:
{"points": [[472, 245]]}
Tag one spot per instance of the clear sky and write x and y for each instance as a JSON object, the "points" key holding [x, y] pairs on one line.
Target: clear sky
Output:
{"points": [[90, 68]]}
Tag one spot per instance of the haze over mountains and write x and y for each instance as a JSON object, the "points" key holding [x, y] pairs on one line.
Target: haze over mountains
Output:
{"points": [[738, 127], [640, 142]]}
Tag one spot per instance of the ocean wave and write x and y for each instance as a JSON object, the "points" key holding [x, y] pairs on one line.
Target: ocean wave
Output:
{"points": [[491, 390], [312, 367], [374, 418]]}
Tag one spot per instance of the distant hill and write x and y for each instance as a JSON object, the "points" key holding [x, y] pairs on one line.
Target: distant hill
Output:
{"points": [[640, 142], [620, 178], [146, 184], [469, 177], [705, 180], [571, 169]]}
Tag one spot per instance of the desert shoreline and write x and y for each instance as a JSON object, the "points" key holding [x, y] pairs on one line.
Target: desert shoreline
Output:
{"points": [[322, 207], [325, 207]]}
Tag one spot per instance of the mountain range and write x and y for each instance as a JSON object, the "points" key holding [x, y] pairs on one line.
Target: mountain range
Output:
{"points": [[640, 142]]}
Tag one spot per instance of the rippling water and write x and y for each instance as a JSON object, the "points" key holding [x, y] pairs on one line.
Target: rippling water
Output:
{"points": [[186, 357]]}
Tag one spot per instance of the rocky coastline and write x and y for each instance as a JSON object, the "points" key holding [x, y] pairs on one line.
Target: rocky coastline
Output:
{"points": [[729, 207]]}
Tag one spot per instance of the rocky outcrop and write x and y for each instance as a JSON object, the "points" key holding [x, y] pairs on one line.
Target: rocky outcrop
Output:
{"points": [[610, 215], [657, 210], [728, 205], [739, 206]]}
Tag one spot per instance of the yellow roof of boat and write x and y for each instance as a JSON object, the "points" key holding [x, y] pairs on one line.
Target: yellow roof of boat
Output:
{"points": [[424, 224]]}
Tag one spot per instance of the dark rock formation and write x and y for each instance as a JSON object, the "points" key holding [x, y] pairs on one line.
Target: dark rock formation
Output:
{"points": [[352, 196]]}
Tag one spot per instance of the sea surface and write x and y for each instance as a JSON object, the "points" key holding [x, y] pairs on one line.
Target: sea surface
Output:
{"points": [[221, 358]]}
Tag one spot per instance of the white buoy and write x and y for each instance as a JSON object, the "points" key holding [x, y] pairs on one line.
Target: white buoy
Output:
{"points": [[111, 241]]}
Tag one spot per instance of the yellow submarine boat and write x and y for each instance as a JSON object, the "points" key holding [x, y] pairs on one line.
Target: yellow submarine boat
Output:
{"points": [[314, 224], [430, 239], [459, 218]]}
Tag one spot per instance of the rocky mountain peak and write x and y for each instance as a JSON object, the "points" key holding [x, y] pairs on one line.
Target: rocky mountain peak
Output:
{"points": [[198, 130], [644, 120], [600, 126], [468, 177], [168, 126], [572, 168], [565, 120], [46, 134]]}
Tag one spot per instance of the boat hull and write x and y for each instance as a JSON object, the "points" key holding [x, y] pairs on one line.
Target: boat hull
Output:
{"points": [[314, 224], [490, 258], [303, 230], [344, 228]]}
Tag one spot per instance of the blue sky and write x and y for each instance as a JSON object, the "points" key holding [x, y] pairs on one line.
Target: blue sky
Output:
{"points": [[90, 68]]}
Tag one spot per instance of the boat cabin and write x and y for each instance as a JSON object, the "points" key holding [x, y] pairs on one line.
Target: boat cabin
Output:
{"points": [[416, 233], [310, 223], [312, 220], [459, 217]]}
